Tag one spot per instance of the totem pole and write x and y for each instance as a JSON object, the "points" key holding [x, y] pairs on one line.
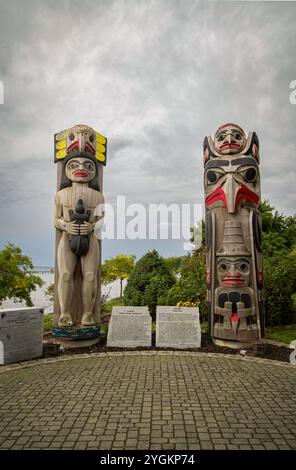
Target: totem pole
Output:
{"points": [[80, 153], [233, 236]]}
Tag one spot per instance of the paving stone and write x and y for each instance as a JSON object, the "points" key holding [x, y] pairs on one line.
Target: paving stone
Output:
{"points": [[148, 400]]}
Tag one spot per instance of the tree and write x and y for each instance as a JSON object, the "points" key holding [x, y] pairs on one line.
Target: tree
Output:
{"points": [[149, 281], [119, 267], [16, 280], [191, 284], [278, 245], [50, 292], [278, 231], [279, 287], [174, 264]]}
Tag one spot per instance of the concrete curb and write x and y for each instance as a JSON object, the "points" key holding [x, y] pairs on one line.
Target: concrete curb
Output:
{"points": [[51, 360]]}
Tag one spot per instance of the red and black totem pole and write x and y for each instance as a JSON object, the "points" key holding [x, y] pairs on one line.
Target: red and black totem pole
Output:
{"points": [[233, 236]]}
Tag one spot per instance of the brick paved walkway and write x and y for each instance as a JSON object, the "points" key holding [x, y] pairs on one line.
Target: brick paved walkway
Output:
{"points": [[148, 400]]}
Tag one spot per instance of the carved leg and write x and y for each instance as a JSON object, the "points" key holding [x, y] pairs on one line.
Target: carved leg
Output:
{"points": [[89, 267], [66, 265]]}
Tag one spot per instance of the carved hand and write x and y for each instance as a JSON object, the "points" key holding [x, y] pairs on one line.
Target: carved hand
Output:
{"points": [[86, 228], [72, 228]]}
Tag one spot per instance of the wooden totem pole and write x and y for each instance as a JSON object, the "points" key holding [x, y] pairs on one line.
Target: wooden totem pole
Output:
{"points": [[80, 153], [233, 236]]}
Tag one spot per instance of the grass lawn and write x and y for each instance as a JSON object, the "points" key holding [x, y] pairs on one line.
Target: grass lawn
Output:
{"points": [[107, 306], [284, 334], [47, 322], [204, 326]]}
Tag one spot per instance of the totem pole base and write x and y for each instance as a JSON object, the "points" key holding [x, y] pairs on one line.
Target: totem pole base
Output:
{"points": [[76, 333]]}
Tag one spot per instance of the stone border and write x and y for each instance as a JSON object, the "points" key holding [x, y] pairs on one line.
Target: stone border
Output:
{"points": [[50, 360]]}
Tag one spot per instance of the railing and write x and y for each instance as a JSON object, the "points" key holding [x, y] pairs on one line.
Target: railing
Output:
{"points": [[41, 271]]}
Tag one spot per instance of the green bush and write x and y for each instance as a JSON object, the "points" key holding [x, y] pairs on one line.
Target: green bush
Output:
{"points": [[191, 286], [106, 307], [149, 282], [279, 267], [16, 280], [279, 287], [47, 322]]}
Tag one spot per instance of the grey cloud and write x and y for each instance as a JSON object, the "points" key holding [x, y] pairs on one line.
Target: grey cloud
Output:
{"points": [[155, 78]]}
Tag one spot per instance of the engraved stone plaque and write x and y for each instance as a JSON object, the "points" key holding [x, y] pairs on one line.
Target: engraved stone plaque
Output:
{"points": [[178, 327], [21, 334], [129, 327]]}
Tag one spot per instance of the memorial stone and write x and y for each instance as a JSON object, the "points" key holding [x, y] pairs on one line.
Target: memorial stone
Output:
{"points": [[129, 327], [178, 327], [21, 334]]}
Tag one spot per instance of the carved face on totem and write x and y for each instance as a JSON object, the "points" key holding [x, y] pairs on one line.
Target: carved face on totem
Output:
{"points": [[229, 139], [81, 138], [80, 170], [230, 182], [233, 271]]}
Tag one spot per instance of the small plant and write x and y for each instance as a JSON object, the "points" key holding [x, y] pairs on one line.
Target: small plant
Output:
{"points": [[104, 331], [47, 322], [187, 304]]}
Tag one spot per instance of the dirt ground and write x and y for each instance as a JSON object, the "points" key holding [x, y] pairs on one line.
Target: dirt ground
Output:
{"points": [[264, 350]]}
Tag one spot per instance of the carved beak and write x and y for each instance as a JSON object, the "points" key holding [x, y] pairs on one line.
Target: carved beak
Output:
{"points": [[81, 142], [230, 189]]}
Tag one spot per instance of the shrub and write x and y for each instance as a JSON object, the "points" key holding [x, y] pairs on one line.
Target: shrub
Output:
{"points": [[191, 286], [279, 287], [149, 282]]}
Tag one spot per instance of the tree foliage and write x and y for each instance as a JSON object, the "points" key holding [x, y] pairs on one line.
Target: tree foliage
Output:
{"points": [[279, 287], [191, 284], [278, 231], [50, 292], [119, 267], [149, 281], [278, 244], [174, 264], [16, 280]]}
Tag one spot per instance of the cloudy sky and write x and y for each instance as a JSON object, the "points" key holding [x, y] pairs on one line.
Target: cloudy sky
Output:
{"points": [[155, 77]]}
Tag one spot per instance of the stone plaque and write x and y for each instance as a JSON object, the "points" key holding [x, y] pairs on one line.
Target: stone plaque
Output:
{"points": [[129, 327], [177, 327], [21, 334]]}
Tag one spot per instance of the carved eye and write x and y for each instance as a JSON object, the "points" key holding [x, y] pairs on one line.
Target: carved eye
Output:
{"points": [[89, 166], [223, 267], [236, 134], [212, 176], [91, 138], [73, 165], [71, 137], [222, 136], [244, 267], [250, 175]]}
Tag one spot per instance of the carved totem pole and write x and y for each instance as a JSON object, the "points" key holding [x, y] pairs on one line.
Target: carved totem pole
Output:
{"points": [[80, 153], [233, 236]]}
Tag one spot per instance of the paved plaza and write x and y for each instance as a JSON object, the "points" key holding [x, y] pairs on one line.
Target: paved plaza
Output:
{"points": [[148, 400]]}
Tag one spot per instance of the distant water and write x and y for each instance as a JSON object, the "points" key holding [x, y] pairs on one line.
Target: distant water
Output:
{"points": [[40, 299]]}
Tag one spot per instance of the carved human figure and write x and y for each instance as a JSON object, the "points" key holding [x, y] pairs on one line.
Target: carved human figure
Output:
{"points": [[233, 232], [78, 207]]}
